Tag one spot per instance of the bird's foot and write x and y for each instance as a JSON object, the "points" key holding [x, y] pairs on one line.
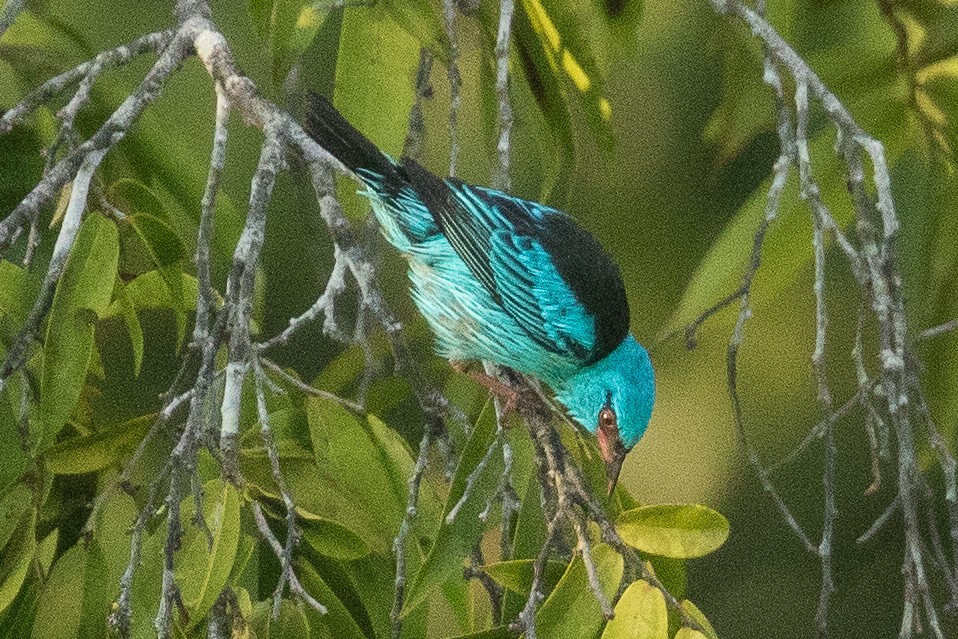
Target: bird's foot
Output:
{"points": [[496, 387]]}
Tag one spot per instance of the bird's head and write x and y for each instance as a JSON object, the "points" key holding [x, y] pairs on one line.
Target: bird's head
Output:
{"points": [[613, 399]]}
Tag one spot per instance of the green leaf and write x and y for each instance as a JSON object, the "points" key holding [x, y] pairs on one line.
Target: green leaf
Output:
{"points": [[201, 569], [688, 633], [377, 64], [681, 531], [516, 575], [292, 26], [132, 321], [165, 249], [692, 611], [150, 291], [13, 459], [291, 624], [75, 599], [456, 539], [569, 52], [13, 506], [17, 556], [89, 454], [259, 12], [499, 632], [359, 476], [18, 289], [331, 538], [421, 20], [639, 614], [572, 610], [337, 622], [82, 295]]}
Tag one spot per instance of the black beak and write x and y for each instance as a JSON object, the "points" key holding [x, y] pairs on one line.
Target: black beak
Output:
{"points": [[613, 466]]}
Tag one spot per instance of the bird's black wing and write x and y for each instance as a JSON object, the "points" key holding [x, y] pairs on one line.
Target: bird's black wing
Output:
{"points": [[546, 271]]}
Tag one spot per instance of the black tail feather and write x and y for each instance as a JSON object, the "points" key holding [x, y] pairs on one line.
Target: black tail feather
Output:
{"points": [[335, 134]]}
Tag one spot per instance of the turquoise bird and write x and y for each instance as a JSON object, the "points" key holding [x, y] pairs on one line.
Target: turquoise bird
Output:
{"points": [[509, 281]]}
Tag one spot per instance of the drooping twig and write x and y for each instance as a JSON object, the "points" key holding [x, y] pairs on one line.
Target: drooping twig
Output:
{"points": [[873, 263], [9, 12], [205, 298], [294, 584], [239, 293], [455, 82], [501, 178], [17, 353]]}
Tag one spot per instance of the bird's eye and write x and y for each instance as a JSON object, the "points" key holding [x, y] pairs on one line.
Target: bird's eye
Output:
{"points": [[607, 418]]}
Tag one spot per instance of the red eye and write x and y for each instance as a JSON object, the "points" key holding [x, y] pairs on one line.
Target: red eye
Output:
{"points": [[607, 419]]}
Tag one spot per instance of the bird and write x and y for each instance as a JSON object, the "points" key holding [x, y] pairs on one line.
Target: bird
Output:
{"points": [[508, 281]]}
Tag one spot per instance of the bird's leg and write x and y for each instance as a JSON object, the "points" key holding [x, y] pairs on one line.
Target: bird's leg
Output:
{"points": [[496, 387]]}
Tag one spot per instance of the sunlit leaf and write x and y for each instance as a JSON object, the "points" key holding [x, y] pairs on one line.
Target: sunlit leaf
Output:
{"points": [[456, 538], [331, 538], [202, 569], [291, 624], [132, 321], [516, 575], [682, 531], [337, 623], [89, 454], [692, 611], [75, 598], [82, 295], [572, 610], [16, 557], [639, 614]]}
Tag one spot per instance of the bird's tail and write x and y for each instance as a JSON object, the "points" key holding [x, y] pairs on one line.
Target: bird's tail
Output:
{"points": [[334, 133]]}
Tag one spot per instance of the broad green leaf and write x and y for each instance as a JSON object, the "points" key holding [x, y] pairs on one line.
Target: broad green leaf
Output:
{"points": [[106, 447], [13, 460], [150, 291], [516, 575], [75, 599], [360, 474], [16, 621], [332, 539], [681, 531], [549, 92], [572, 610], [421, 20], [18, 289], [47, 550], [82, 295], [569, 52], [639, 614], [671, 572], [374, 75], [456, 538], [292, 26], [787, 248], [692, 611], [337, 623], [291, 624], [13, 506], [137, 198], [165, 249], [688, 633], [132, 321], [202, 569], [259, 12], [16, 558]]}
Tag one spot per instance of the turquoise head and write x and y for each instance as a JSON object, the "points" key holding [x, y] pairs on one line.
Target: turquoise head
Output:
{"points": [[613, 398]]}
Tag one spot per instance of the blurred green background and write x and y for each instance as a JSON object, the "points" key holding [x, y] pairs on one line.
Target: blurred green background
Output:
{"points": [[673, 187]]}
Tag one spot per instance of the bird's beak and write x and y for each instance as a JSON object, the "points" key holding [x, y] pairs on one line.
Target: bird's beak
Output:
{"points": [[613, 454], [613, 467]]}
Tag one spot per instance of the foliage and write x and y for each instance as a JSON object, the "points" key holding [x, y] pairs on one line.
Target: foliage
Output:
{"points": [[685, 161]]}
